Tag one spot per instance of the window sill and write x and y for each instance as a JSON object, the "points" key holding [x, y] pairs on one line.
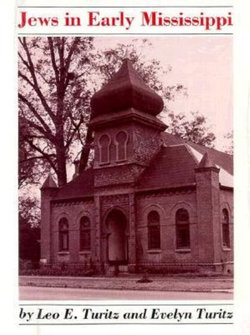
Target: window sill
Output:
{"points": [[103, 163], [121, 161], [84, 252], [226, 249], [183, 250], [154, 251], [63, 253]]}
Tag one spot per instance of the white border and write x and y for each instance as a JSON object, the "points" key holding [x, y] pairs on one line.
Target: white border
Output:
{"points": [[8, 175]]}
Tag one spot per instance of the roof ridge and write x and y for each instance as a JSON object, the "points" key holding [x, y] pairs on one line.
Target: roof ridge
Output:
{"points": [[212, 149], [173, 145]]}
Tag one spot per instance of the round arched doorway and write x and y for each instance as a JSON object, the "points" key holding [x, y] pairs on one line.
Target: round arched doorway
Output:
{"points": [[116, 223]]}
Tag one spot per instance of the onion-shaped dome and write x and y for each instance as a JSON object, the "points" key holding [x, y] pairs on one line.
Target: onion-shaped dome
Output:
{"points": [[125, 90]]}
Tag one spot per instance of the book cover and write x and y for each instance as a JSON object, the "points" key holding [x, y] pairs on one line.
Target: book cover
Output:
{"points": [[127, 211]]}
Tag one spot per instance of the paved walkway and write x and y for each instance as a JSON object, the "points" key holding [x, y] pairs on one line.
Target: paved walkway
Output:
{"points": [[160, 284], [52, 293]]}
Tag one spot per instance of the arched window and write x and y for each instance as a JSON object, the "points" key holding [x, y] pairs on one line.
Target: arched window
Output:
{"points": [[154, 235], [121, 146], [85, 234], [182, 229], [104, 143], [63, 235], [225, 229]]}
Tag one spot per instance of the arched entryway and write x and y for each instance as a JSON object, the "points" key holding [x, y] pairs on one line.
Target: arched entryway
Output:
{"points": [[117, 249]]}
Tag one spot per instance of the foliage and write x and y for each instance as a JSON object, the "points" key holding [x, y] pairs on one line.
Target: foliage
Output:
{"points": [[109, 61], [230, 147], [29, 212], [57, 77], [30, 165], [194, 130], [29, 231], [53, 99]]}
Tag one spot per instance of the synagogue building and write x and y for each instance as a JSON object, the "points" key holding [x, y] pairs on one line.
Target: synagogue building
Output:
{"points": [[150, 201]]}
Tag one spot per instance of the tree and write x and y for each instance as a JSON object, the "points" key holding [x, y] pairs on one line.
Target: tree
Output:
{"points": [[29, 230], [109, 61], [57, 78], [230, 147], [194, 130], [53, 99], [29, 211], [30, 167]]}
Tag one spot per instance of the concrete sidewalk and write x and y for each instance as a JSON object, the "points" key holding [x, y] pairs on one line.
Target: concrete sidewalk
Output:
{"points": [[171, 283], [57, 293]]}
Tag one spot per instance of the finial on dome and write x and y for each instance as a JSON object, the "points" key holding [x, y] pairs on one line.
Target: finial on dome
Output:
{"points": [[126, 89]]}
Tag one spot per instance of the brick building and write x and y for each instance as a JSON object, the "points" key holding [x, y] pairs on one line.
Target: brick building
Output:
{"points": [[151, 200]]}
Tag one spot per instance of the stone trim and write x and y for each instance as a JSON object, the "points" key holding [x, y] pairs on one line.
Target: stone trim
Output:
{"points": [[183, 189], [72, 201]]}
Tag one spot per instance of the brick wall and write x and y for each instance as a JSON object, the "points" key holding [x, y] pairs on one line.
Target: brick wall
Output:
{"points": [[226, 201], [73, 212], [204, 208], [208, 214], [166, 205]]}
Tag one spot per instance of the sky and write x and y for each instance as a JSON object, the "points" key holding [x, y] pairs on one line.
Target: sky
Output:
{"points": [[204, 65]]}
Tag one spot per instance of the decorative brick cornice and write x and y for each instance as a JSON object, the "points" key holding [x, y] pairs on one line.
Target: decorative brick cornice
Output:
{"points": [[183, 189], [72, 201]]}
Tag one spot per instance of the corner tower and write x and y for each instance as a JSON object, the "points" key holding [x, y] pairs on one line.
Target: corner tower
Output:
{"points": [[127, 132], [208, 212], [48, 190]]}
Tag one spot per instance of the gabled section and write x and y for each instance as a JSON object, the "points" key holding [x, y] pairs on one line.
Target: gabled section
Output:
{"points": [[49, 183], [174, 166], [81, 186], [221, 159]]}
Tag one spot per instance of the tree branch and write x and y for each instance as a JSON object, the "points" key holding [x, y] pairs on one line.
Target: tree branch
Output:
{"points": [[35, 82], [44, 154], [35, 157], [73, 133], [45, 130], [52, 53]]}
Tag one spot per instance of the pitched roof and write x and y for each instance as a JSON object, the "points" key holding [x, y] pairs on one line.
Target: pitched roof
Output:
{"points": [[175, 164], [81, 186], [219, 158], [49, 183], [126, 89]]}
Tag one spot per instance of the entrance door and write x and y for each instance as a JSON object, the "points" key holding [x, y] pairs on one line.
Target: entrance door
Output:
{"points": [[117, 239]]}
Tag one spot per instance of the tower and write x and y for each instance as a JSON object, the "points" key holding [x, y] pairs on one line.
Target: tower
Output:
{"points": [[127, 132], [48, 190], [208, 211], [126, 138]]}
